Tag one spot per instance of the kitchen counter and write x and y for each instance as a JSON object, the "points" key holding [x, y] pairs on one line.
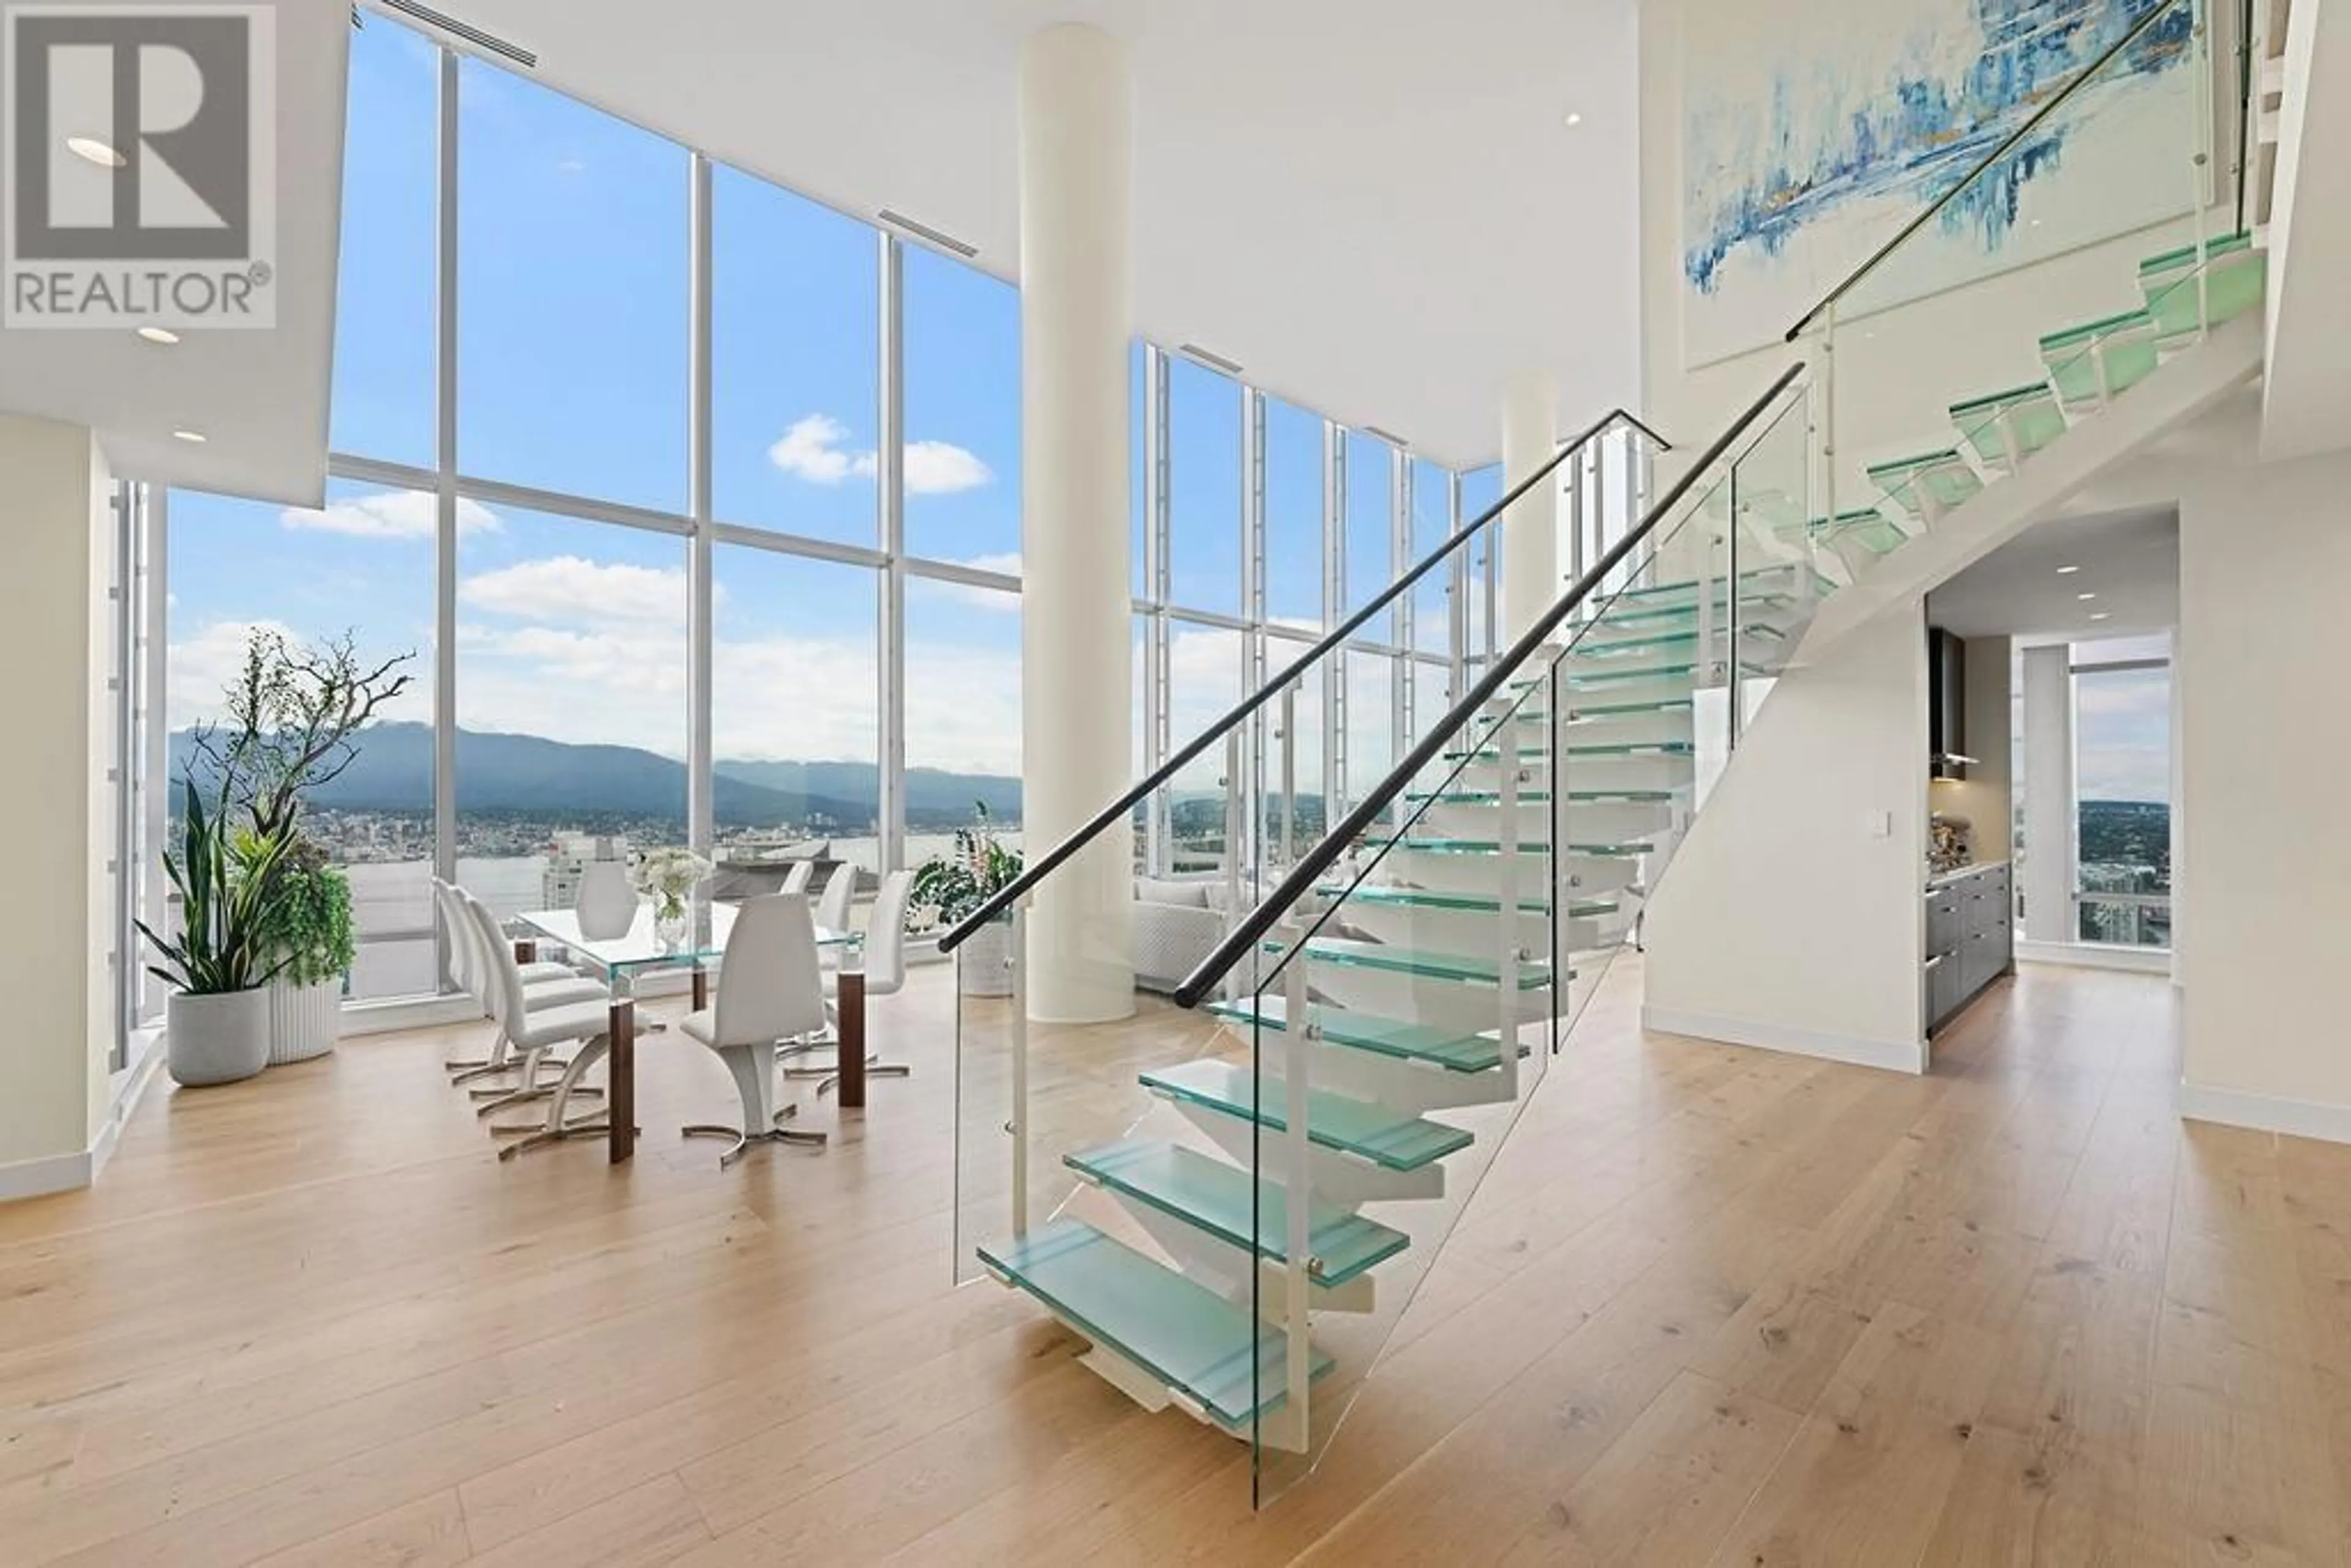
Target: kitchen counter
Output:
{"points": [[1942, 880]]}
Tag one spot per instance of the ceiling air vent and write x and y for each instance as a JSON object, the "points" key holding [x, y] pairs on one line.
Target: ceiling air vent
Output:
{"points": [[925, 231], [1214, 362], [1390, 436], [488, 43]]}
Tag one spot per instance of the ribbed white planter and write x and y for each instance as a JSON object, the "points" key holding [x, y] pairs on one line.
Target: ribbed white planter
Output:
{"points": [[982, 966], [303, 1020]]}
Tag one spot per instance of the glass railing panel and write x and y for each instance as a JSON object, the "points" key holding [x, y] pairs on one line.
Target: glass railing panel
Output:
{"points": [[1396, 1023]]}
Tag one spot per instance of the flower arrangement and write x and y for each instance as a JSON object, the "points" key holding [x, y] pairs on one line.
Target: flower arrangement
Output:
{"points": [[667, 876]]}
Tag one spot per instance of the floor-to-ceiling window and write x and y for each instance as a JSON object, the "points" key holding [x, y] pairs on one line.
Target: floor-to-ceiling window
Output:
{"points": [[631, 425], [2122, 792]]}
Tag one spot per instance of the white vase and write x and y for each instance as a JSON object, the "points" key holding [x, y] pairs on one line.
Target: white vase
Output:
{"points": [[606, 904], [983, 961], [303, 1019], [217, 1039]]}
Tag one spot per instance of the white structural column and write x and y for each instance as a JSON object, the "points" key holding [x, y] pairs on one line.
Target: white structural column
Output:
{"points": [[1530, 529], [1076, 225], [2049, 794]]}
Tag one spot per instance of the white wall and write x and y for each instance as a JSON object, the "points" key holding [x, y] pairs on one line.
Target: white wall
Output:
{"points": [[2265, 732], [1786, 920], [1898, 372], [53, 1082]]}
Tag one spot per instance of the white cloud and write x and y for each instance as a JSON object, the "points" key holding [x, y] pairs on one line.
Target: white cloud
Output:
{"points": [[942, 468], [812, 450], [566, 590], [389, 514]]}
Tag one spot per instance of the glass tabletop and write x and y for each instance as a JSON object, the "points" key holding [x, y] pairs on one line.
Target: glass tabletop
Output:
{"points": [[702, 940]]}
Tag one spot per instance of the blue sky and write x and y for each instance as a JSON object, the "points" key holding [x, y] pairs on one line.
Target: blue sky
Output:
{"points": [[572, 377]]}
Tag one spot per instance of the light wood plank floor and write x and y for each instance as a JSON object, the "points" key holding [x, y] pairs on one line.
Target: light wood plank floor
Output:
{"points": [[1711, 1306]]}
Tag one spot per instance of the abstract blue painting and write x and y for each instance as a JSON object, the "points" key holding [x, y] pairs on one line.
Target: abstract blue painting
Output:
{"points": [[1812, 134]]}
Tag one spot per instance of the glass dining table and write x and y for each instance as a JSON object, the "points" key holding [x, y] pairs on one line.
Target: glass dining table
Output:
{"points": [[692, 945]]}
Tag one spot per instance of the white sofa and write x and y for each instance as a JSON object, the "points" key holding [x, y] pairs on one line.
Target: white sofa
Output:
{"points": [[1176, 924]]}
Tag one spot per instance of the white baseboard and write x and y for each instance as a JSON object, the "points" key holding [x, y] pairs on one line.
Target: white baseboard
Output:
{"points": [[1893, 1056], [147, 1053], [37, 1178], [2265, 1113], [2089, 956]]}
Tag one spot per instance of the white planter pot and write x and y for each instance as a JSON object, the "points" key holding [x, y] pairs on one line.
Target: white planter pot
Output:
{"points": [[606, 904], [982, 966], [303, 1020], [217, 1039]]}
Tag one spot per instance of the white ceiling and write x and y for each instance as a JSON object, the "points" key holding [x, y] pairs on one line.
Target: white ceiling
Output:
{"points": [[258, 396], [2129, 560], [1375, 206]]}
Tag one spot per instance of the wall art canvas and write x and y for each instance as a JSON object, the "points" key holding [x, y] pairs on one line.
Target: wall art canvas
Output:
{"points": [[1812, 132]]}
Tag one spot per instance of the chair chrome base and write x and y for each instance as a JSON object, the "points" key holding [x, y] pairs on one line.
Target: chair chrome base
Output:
{"points": [[743, 1140], [506, 1097], [874, 1068], [594, 1125]]}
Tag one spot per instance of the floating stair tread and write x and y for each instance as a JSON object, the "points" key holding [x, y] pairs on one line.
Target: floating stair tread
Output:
{"points": [[2215, 248], [1911, 465], [1465, 903], [1489, 847], [1689, 585], [2088, 331], [1541, 796], [1637, 615], [1364, 1031], [1201, 1345], [1612, 710], [1666, 748], [2031, 391], [1334, 1122], [1221, 1199], [1396, 959]]}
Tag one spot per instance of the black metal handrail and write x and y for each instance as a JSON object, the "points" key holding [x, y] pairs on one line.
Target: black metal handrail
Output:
{"points": [[2009, 143], [1303, 876], [1038, 870]]}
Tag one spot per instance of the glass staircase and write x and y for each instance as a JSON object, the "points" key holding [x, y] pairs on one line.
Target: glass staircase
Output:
{"points": [[1233, 1196]]}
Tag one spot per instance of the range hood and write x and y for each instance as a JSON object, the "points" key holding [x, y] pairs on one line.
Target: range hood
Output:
{"points": [[1947, 705]]}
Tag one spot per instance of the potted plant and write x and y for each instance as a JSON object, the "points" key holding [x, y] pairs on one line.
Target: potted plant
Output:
{"points": [[948, 887], [291, 717], [308, 932], [216, 1022]]}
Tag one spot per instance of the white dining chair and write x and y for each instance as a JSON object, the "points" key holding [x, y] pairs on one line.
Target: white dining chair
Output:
{"points": [[884, 958], [769, 989], [544, 983], [534, 1031], [833, 903], [796, 879]]}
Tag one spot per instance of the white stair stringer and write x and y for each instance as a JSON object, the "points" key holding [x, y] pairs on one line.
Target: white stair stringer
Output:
{"points": [[2186, 385]]}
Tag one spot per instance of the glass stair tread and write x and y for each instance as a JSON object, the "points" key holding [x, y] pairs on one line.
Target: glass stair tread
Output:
{"points": [[1588, 678], [1630, 616], [1466, 902], [2028, 392], [1207, 1349], [1945, 475], [2185, 256], [1395, 959], [1488, 847], [1615, 710], [2091, 331], [1689, 585], [1364, 1031], [1223, 1200], [2182, 296], [1362, 1128], [1539, 796], [1667, 748]]}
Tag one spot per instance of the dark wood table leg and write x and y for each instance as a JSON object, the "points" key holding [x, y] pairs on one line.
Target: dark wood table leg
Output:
{"points": [[621, 1087], [849, 1002], [700, 987]]}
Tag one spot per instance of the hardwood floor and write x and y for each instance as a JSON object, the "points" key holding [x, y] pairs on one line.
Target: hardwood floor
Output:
{"points": [[1711, 1306]]}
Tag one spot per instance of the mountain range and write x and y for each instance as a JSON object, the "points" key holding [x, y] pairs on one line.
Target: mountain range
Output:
{"points": [[525, 775]]}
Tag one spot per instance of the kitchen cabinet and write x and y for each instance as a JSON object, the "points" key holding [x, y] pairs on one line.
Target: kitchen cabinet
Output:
{"points": [[1969, 938]]}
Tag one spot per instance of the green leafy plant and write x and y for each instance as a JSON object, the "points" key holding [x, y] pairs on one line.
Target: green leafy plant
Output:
{"points": [[225, 899], [308, 920], [975, 871]]}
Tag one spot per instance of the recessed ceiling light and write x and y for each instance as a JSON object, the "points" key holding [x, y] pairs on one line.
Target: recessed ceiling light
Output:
{"points": [[159, 334], [1573, 118], [97, 151], [195, 435], [2067, 571], [2085, 597]]}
